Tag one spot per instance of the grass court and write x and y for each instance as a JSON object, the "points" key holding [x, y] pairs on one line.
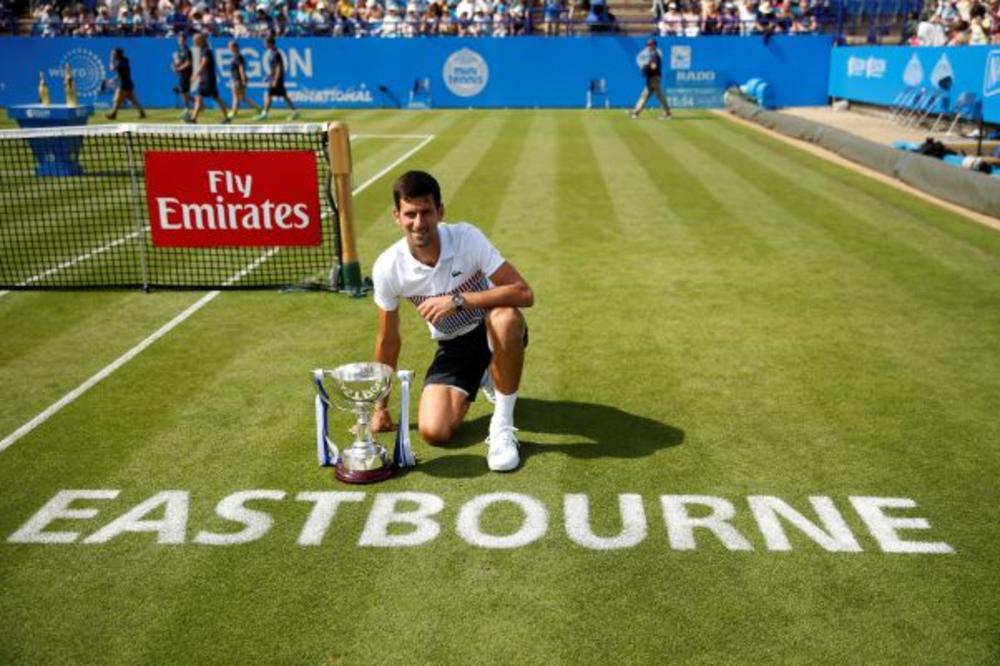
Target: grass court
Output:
{"points": [[718, 315]]}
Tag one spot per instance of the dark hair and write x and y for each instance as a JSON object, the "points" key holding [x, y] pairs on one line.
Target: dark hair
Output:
{"points": [[416, 184]]}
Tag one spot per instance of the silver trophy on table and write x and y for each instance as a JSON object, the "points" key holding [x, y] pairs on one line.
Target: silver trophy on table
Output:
{"points": [[355, 387]]}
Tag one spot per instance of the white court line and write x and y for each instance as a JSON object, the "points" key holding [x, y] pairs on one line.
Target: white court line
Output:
{"points": [[104, 372], [52, 409], [80, 258]]}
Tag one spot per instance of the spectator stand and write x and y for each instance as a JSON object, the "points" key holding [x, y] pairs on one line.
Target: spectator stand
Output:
{"points": [[852, 21]]}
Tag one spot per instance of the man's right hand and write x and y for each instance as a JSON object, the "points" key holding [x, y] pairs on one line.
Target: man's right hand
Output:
{"points": [[382, 421]]}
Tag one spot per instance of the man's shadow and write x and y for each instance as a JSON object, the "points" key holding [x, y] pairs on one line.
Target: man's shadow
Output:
{"points": [[588, 430]]}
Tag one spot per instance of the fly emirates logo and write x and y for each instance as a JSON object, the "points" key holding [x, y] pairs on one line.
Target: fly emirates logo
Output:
{"points": [[233, 198]]}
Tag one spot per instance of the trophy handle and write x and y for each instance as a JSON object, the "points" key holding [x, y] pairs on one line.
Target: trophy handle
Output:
{"points": [[334, 451]]}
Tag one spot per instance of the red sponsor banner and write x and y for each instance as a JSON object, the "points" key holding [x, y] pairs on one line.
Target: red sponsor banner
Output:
{"points": [[233, 198]]}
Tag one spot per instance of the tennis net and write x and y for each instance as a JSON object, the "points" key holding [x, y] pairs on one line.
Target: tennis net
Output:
{"points": [[76, 206]]}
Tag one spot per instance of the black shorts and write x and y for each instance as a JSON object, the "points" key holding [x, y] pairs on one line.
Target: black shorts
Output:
{"points": [[461, 362], [277, 91], [209, 90], [184, 85]]}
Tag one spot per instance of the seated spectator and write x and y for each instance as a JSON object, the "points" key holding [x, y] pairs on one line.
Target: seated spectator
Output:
{"points": [[501, 22], [482, 23], [102, 23], [960, 34], [993, 13], [430, 22], [711, 18], [805, 22], [784, 17], [70, 21], [552, 14], [730, 19], [411, 20], [946, 11], [979, 25], [600, 18], [766, 19], [691, 19], [931, 32], [964, 10], [748, 16], [50, 22], [672, 22], [520, 18], [392, 23]]}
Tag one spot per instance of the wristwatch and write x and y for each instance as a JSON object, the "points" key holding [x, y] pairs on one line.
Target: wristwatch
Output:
{"points": [[458, 302]]}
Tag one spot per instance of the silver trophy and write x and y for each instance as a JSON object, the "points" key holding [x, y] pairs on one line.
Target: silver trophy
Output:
{"points": [[356, 387]]}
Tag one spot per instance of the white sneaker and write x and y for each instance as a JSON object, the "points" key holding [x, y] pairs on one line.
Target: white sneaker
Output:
{"points": [[502, 455], [489, 391], [261, 116]]}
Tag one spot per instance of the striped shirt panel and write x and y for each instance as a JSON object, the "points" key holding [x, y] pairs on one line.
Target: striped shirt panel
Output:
{"points": [[466, 319]]}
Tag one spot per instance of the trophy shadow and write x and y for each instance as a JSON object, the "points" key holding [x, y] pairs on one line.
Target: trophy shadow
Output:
{"points": [[586, 430]]}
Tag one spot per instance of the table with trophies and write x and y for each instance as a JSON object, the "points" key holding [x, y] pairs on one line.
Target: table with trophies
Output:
{"points": [[54, 155]]}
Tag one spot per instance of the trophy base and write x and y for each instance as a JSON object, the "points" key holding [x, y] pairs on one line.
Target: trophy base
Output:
{"points": [[362, 475]]}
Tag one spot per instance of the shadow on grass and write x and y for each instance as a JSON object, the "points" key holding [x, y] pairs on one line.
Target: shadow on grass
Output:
{"points": [[595, 431]]}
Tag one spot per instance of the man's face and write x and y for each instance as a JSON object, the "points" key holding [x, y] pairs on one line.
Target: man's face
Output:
{"points": [[418, 218]]}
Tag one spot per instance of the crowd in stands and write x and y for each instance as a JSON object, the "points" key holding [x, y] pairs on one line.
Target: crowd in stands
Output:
{"points": [[959, 23], [410, 18], [255, 18], [734, 17]]}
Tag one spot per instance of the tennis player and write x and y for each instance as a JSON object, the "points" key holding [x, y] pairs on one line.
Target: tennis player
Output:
{"points": [[471, 299]]}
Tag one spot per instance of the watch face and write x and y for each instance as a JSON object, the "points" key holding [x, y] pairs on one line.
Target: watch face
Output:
{"points": [[457, 300]]}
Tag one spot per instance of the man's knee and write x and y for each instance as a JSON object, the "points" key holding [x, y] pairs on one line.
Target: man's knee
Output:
{"points": [[436, 432], [506, 323]]}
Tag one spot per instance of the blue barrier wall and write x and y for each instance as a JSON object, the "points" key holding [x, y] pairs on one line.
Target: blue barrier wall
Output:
{"points": [[484, 72], [877, 74]]}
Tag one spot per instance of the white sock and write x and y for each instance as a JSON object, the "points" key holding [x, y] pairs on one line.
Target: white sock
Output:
{"points": [[503, 411]]}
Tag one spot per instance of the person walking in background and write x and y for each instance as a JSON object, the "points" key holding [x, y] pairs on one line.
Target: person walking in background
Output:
{"points": [[238, 80], [276, 83], [183, 65], [208, 85], [126, 88], [650, 61]]}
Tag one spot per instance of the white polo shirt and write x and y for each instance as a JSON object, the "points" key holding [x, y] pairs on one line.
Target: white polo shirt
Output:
{"points": [[467, 260]]}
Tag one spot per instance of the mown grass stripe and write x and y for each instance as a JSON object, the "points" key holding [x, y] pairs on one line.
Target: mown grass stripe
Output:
{"points": [[488, 183], [688, 194], [583, 202], [907, 218], [860, 237]]}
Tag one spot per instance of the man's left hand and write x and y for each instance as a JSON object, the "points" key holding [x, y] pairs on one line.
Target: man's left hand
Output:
{"points": [[436, 309]]}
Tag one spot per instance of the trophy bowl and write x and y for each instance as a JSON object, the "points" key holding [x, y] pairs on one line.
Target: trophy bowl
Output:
{"points": [[360, 386]]}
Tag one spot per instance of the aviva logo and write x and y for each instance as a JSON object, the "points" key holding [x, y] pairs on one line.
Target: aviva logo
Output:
{"points": [[991, 80]]}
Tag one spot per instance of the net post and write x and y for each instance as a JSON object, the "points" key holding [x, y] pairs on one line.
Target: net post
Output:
{"points": [[136, 208], [340, 173]]}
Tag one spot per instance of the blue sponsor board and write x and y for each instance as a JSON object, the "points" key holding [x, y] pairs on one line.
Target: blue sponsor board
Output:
{"points": [[877, 75], [484, 72]]}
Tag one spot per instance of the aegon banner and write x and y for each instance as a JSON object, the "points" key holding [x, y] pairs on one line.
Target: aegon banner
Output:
{"points": [[525, 72], [877, 74], [233, 198]]}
